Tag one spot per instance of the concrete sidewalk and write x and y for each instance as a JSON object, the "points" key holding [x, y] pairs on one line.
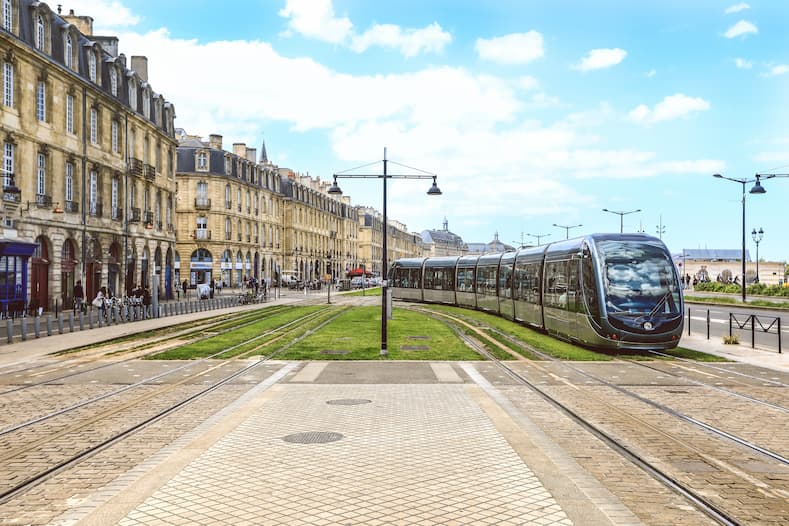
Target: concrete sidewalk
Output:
{"points": [[739, 353]]}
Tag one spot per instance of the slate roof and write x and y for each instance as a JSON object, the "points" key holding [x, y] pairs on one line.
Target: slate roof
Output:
{"points": [[716, 254]]}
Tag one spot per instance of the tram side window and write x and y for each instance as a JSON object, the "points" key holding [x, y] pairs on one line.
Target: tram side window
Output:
{"points": [[486, 281], [527, 282], [589, 284], [430, 276], [414, 278], [505, 281], [465, 281], [556, 284], [572, 285]]}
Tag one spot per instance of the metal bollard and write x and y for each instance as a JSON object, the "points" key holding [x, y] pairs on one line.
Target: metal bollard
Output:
{"points": [[24, 328], [37, 326], [60, 323], [49, 325], [81, 321], [71, 322], [708, 325], [90, 319], [688, 321], [9, 330]]}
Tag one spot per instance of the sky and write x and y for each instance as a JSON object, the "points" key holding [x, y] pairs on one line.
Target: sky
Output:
{"points": [[531, 113]]}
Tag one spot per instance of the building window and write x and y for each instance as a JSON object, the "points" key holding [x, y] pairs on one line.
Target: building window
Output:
{"points": [[8, 16], [41, 174], [8, 164], [114, 193], [113, 81], [202, 161], [227, 196], [159, 157], [146, 105], [69, 182], [69, 114], [68, 54], [228, 165], [40, 32], [94, 192], [202, 189], [114, 136], [228, 231], [94, 126], [132, 95], [132, 140], [41, 101], [92, 66], [8, 84]]}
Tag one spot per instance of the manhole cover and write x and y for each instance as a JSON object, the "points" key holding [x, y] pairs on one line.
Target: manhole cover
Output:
{"points": [[349, 401], [313, 437], [414, 347], [419, 337], [334, 351]]}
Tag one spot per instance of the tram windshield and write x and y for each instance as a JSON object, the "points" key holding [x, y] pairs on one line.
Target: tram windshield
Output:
{"points": [[639, 279]]}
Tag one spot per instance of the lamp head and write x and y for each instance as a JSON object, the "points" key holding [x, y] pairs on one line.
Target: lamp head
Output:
{"points": [[719, 176], [434, 189], [334, 189], [758, 188]]}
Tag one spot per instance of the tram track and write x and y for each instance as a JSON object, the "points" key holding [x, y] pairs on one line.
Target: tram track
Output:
{"points": [[116, 417], [602, 415]]}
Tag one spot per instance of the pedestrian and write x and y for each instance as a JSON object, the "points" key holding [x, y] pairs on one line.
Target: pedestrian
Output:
{"points": [[98, 301], [184, 285], [79, 296]]}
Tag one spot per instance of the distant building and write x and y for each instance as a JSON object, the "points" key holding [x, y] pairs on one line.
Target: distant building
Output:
{"points": [[712, 264], [494, 246], [443, 242]]}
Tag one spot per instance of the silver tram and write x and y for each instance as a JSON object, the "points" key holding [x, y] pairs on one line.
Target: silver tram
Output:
{"points": [[618, 291]]}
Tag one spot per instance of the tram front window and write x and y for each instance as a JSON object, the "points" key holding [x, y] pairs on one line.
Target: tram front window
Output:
{"points": [[639, 279]]}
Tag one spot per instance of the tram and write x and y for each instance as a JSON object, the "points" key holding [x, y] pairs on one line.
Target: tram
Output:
{"points": [[605, 291]]}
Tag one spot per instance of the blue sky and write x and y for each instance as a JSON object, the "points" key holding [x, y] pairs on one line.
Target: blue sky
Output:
{"points": [[530, 112]]}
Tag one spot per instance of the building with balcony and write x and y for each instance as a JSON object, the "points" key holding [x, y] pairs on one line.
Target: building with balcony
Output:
{"points": [[88, 157], [229, 209], [321, 230], [400, 243]]}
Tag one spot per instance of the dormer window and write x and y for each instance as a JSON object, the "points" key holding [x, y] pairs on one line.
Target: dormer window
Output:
{"points": [[146, 104], [202, 161], [92, 66], [8, 16], [114, 81], [132, 95], [40, 32], [68, 54]]}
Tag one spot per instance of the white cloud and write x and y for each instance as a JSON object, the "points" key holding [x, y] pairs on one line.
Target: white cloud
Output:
{"points": [[410, 42], [741, 63], [527, 82], [743, 27], [601, 58], [515, 48], [781, 158], [109, 13], [651, 73], [780, 69], [736, 8], [315, 19], [670, 108]]}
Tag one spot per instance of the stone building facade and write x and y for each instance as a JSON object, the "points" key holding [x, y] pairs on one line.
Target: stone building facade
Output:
{"points": [[88, 157], [230, 211], [321, 230], [443, 242], [400, 243]]}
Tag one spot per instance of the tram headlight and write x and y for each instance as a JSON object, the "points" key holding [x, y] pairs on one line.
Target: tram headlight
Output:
{"points": [[648, 326]]}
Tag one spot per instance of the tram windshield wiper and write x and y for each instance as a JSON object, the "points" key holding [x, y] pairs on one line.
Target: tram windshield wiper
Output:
{"points": [[660, 303]]}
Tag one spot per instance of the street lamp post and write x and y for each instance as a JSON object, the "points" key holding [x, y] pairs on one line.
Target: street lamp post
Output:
{"points": [[566, 229], [621, 216], [757, 189], [334, 189], [538, 236], [757, 238]]}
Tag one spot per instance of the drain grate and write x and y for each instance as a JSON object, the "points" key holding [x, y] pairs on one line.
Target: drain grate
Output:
{"points": [[414, 348], [313, 437], [349, 401]]}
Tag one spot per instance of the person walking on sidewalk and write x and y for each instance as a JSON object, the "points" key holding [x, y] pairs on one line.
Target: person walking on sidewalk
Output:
{"points": [[79, 296]]}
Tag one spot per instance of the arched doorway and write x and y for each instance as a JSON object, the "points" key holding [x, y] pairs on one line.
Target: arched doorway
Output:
{"points": [[177, 270], [239, 269], [168, 274], [157, 271], [144, 274], [68, 268], [93, 270], [113, 269], [39, 279], [258, 273], [227, 268], [200, 264], [131, 272], [248, 265]]}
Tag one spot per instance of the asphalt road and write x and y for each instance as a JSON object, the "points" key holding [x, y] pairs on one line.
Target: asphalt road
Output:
{"points": [[764, 322]]}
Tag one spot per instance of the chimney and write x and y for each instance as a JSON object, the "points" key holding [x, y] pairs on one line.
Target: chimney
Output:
{"points": [[140, 66], [240, 149], [215, 141], [252, 154], [83, 23]]}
